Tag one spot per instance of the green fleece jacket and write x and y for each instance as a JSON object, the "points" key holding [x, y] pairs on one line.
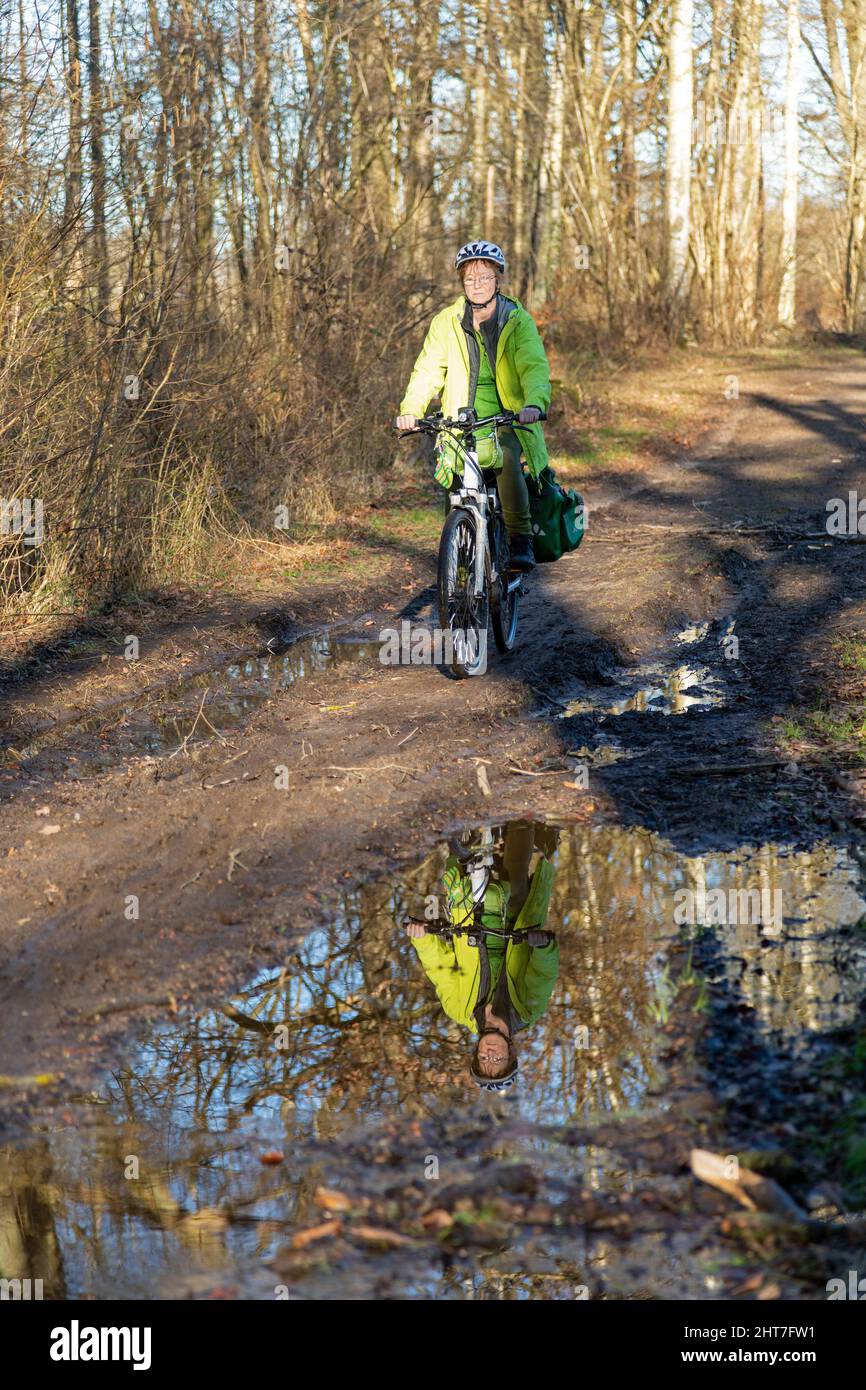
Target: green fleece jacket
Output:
{"points": [[522, 373]]}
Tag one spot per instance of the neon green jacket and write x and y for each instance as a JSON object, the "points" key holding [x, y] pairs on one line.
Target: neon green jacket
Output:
{"points": [[522, 373], [454, 967]]}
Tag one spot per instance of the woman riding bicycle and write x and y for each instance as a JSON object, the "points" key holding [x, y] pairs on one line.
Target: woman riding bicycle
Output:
{"points": [[484, 351]]}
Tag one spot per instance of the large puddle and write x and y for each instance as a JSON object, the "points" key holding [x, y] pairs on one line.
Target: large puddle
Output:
{"points": [[308, 1138]]}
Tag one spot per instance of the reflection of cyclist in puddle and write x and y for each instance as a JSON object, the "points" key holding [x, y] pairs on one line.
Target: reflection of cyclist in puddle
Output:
{"points": [[489, 979]]}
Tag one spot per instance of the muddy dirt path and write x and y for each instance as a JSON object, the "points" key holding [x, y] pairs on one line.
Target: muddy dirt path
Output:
{"points": [[162, 853]]}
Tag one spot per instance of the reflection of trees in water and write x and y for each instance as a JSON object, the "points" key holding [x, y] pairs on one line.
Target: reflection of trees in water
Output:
{"points": [[352, 1028], [29, 1248], [592, 1051], [353, 1023], [799, 974]]}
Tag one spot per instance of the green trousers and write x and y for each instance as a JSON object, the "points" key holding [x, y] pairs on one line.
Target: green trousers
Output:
{"points": [[511, 485]]}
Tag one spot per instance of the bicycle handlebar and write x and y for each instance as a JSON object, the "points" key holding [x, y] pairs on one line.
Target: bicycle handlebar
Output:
{"points": [[472, 930], [434, 424]]}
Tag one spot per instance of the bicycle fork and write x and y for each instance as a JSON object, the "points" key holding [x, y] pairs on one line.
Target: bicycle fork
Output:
{"points": [[476, 506]]}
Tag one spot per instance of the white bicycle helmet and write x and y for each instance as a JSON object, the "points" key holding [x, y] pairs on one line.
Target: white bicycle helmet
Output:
{"points": [[489, 1085], [480, 251]]}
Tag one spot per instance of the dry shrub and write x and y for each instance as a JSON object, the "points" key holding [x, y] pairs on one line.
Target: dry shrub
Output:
{"points": [[225, 420]]}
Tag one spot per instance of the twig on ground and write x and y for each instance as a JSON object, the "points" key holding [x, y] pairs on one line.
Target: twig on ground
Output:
{"points": [[379, 767], [235, 862]]}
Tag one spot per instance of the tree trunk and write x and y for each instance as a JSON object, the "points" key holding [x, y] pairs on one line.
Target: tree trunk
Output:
{"points": [[420, 198], [372, 132], [96, 116], [746, 187], [553, 213], [261, 166], [628, 188], [518, 177], [23, 138], [478, 77], [787, 288], [72, 190], [678, 186]]}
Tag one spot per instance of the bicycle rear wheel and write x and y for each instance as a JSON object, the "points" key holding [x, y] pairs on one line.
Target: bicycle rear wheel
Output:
{"points": [[461, 612], [503, 605]]}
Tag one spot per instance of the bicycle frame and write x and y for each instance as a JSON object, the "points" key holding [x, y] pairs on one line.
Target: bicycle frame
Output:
{"points": [[475, 496]]}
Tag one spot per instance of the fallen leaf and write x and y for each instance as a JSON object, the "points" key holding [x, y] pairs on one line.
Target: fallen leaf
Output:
{"points": [[750, 1189], [378, 1235], [327, 1228], [272, 1156], [329, 1199], [49, 829], [749, 1285], [45, 1078]]}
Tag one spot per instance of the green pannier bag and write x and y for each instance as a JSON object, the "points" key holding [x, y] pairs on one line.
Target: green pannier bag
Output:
{"points": [[558, 516]]}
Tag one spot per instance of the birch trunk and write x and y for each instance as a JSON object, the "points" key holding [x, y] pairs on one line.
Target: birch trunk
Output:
{"points": [[787, 287], [477, 76], [557, 130], [678, 184], [518, 177]]}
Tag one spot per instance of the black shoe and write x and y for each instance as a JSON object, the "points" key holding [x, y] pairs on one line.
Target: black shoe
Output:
{"points": [[522, 556]]}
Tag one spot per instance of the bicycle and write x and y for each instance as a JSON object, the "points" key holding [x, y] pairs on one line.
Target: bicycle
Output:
{"points": [[474, 582]]}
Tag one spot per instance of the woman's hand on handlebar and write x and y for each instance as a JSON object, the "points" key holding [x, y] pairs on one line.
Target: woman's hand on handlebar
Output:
{"points": [[407, 422], [529, 414]]}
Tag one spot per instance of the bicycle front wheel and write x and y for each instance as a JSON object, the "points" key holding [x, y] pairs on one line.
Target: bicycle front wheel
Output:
{"points": [[463, 615]]}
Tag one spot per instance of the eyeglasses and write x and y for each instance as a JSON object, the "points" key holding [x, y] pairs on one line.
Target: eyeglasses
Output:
{"points": [[479, 277]]}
